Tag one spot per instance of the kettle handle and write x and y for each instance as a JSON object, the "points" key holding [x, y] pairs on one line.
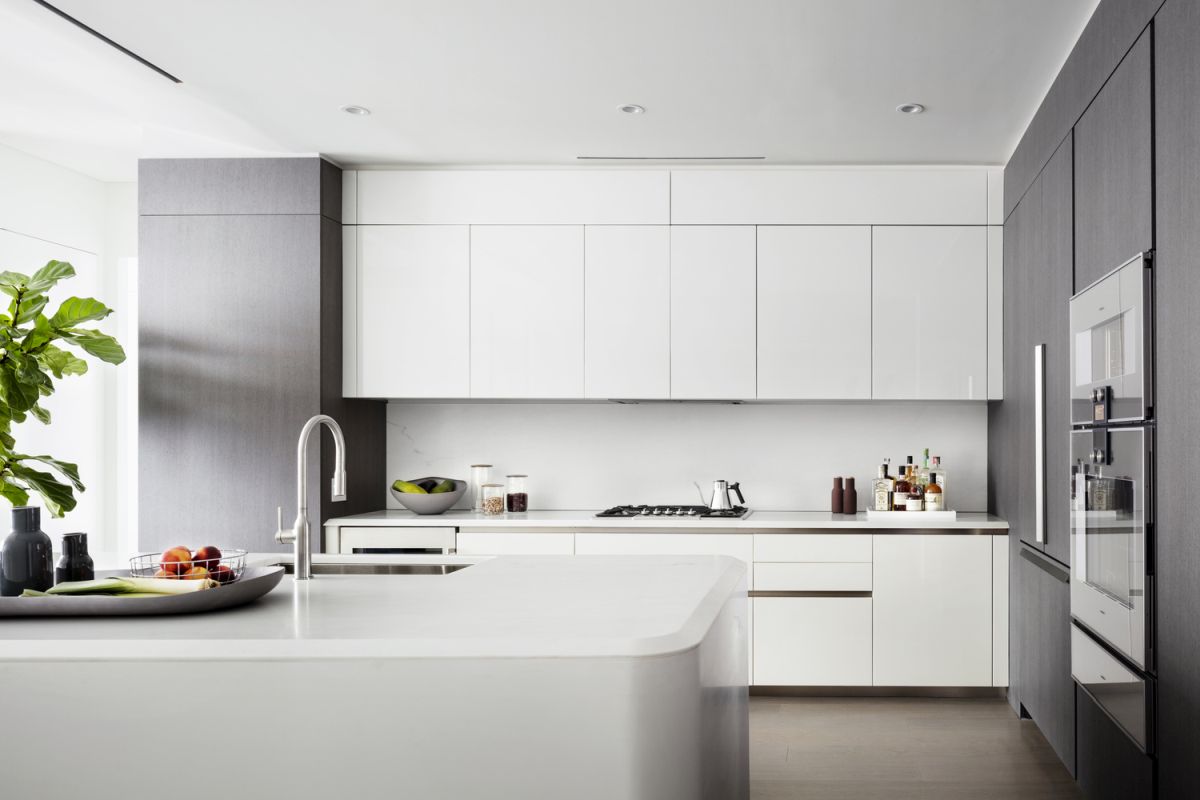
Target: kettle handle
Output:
{"points": [[737, 487]]}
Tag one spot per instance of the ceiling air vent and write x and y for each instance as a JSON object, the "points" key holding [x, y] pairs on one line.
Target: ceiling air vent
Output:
{"points": [[108, 41]]}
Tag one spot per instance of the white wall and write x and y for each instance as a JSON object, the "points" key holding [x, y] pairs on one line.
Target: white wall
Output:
{"points": [[49, 212], [594, 455]]}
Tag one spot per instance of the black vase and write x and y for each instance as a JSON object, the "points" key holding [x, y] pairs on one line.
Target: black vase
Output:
{"points": [[26, 557]]}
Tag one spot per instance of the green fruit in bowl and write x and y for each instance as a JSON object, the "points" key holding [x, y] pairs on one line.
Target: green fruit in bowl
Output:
{"points": [[408, 488], [443, 487]]}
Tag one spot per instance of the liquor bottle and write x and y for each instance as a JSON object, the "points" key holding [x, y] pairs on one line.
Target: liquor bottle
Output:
{"points": [[882, 488], [934, 499], [923, 470], [916, 493], [940, 469], [900, 492]]}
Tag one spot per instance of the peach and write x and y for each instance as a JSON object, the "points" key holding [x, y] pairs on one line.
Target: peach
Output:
{"points": [[207, 556], [196, 573], [177, 560], [162, 573]]}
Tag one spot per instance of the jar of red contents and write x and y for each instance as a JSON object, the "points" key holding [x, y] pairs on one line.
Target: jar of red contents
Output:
{"points": [[516, 498]]}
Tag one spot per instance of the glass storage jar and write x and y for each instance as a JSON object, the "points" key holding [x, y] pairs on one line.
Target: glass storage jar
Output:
{"points": [[493, 498], [480, 474], [517, 496]]}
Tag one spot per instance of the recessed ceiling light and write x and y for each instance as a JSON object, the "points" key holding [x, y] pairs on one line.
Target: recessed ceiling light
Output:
{"points": [[632, 108], [910, 108], [358, 111]]}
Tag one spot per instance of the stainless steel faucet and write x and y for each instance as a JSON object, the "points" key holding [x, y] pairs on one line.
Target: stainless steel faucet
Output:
{"points": [[299, 531]]}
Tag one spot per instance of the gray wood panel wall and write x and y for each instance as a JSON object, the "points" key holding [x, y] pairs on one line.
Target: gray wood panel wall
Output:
{"points": [[1112, 30], [1177, 290], [240, 343]]}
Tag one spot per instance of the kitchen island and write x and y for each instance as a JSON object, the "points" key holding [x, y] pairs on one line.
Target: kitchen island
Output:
{"points": [[516, 677]]}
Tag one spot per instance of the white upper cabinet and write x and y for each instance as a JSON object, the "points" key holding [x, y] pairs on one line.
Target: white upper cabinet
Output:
{"points": [[814, 312], [413, 297], [526, 311], [930, 322], [831, 196], [627, 292], [513, 197], [712, 312]]}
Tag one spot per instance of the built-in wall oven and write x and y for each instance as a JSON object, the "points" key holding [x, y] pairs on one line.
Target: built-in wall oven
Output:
{"points": [[1112, 496]]}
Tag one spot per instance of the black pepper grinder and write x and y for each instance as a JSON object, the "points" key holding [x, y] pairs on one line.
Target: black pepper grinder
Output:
{"points": [[75, 564], [835, 499], [26, 557], [850, 498]]}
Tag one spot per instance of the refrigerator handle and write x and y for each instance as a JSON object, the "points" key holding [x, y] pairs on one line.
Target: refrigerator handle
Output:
{"points": [[1039, 443]]}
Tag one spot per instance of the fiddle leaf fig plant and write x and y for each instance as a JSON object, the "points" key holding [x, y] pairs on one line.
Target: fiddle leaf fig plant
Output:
{"points": [[30, 362]]}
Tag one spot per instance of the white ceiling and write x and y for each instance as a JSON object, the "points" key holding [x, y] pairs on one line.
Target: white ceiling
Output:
{"points": [[530, 81]]}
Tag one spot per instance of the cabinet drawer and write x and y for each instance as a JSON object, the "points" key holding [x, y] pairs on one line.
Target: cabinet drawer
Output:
{"points": [[516, 544], [378, 537], [812, 641], [830, 577], [838, 547]]}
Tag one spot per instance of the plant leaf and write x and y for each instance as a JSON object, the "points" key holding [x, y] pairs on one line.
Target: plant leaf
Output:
{"points": [[39, 335], [40, 413], [19, 395], [47, 276], [7, 440], [11, 283], [13, 493], [69, 470], [101, 345], [60, 362], [31, 306], [75, 310], [58, 496]]}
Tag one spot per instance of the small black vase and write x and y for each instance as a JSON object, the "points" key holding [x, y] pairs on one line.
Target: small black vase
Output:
{"points": [[26, 557]]}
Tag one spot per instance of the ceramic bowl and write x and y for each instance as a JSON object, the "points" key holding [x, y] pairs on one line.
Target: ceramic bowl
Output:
{"points": [[430, 503]]}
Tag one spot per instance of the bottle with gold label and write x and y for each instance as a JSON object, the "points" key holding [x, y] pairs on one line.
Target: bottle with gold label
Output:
{"points": [[916, 493], [935, 499]]}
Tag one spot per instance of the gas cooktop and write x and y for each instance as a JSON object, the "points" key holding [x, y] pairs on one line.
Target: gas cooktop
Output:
{"points": [[698, 512]]}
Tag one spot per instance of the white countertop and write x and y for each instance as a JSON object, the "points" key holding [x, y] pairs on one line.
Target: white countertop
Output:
{"points": [[528, 606], [587, 519]]}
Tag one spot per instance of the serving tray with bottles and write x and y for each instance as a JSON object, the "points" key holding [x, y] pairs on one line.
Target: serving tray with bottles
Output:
{"points": [[911, 516], [253, 583]]}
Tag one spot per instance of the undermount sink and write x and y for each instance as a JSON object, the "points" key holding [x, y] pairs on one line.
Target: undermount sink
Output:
{"points": [[379, 569]]}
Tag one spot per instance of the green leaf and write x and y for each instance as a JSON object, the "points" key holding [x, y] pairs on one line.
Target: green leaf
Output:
{"points": [[12, 283], [49, 275], [7, 440], [58, 496], [19, 396], [40, 414], [69, 470], [75, 310], [13, 493], [30, 307], [40, 335], [101, 345], [60, 362]]}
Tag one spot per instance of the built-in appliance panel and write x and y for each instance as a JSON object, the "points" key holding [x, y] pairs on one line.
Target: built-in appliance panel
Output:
{"points": [[1110, 511], [1122, 693], [1110, 349]]}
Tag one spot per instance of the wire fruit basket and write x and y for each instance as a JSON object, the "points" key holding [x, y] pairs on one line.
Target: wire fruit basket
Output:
{"points": [[227, 567]]}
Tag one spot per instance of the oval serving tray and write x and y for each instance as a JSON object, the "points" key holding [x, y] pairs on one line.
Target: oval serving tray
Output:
{"points": [[254, 583]]}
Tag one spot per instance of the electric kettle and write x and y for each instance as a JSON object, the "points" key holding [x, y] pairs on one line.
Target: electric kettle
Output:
{"points": [[720, 496]]}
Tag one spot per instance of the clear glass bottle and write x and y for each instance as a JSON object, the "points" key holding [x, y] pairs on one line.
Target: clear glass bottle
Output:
{"points": [[516, 497], [923, 470], [934, 499], [882, 488], [940, 469], [480, 474], [493, 498]]}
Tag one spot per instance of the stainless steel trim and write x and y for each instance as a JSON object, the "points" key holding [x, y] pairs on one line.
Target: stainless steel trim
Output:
{"points": [[1046, 564], [878, 691], [1039, 443], [766, 593], [1146, 257]]}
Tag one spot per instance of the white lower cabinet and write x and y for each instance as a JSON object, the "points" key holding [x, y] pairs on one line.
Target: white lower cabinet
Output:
{"points": [[932, 610], [812, 641], [515, 544]]}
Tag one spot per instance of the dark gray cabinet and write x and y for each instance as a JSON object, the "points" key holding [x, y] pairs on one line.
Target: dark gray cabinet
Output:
{"points": [[1177, 289], [1114, 170], [240, 343], [1111, 767], [1047, 692]]}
